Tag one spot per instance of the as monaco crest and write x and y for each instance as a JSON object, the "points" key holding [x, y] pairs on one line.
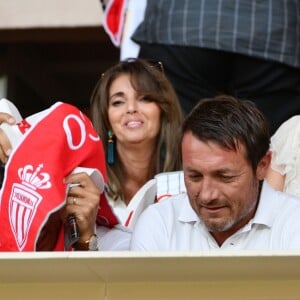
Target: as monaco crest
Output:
{"points": [[24, 201]]}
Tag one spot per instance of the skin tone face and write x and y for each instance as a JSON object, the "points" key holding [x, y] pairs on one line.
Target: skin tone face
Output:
{"points": [[132, 117], [221, 186]]}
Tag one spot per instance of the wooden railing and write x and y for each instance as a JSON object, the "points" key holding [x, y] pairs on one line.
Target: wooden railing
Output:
{"points": [[145, 276]]}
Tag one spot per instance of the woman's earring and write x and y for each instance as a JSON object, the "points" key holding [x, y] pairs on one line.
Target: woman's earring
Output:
{"points": [[111, 150]]}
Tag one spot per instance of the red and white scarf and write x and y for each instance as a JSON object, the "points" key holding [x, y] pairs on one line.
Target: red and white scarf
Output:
{"points": [[61, 140], [114, 19]]}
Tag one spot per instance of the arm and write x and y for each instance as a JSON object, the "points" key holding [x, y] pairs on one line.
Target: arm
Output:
{"points": [[275, 179], [284, 145]]}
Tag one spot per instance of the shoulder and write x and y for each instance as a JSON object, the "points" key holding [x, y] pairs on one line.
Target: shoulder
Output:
{"points": [[114, 239], [163, 213], [172, 203], [278, 199], [280, 214], [287, 225], [155, 226], [288, 207], [274, 203]]}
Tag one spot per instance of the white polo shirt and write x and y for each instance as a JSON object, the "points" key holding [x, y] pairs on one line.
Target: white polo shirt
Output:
{"points": [[173, 225]]}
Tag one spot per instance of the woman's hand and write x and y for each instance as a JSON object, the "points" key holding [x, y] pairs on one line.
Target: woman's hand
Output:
{"points": [[82, 202]]}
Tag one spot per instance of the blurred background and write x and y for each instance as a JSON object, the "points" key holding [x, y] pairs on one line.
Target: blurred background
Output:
{"points": [[52, 51]]}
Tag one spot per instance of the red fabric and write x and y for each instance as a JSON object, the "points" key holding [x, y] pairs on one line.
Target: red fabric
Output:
{"points": [[23, 126], [113, 21], [33, 186]]}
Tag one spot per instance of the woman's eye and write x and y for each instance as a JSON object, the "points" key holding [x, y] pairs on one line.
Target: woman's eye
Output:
{"points": [[145, 99], [116, 102]]}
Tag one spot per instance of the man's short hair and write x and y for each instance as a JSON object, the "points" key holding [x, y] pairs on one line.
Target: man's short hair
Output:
{"points": [[230, 122]]}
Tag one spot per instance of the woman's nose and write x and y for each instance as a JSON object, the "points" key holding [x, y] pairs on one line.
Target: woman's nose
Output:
{"points": [[131, 111], [131, 107]]}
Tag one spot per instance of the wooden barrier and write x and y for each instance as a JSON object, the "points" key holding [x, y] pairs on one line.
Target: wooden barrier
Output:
{"points": [[16, 14], [145, 276]]}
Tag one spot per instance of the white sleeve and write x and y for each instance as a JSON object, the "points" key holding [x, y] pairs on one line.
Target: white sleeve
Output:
{"points": [[285, 145], [150, 232], [12, 132]]}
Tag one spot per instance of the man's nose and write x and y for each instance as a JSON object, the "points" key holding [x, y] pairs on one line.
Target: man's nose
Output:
{"points": [[208, 191]]}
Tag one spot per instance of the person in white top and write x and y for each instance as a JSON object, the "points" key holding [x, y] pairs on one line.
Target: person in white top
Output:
{"points": [[225, 154], [137, 114], [284, 171]]}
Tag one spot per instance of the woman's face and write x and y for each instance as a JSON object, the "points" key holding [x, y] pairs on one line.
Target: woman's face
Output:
{"points": [[133, 118]]}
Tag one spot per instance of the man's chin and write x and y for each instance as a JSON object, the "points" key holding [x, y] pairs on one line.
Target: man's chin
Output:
{"points": [[219, 226]]}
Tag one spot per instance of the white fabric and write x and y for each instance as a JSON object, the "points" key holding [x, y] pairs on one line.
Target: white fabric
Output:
{"points": [[134, 16], [128, 215], [115, 239], [166, 184], [169, 184], [173, 225], [120, 208], [13, 133], [285, 147]]}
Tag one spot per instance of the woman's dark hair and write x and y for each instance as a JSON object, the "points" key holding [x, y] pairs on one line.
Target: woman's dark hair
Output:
{"points": [[149, 80]]}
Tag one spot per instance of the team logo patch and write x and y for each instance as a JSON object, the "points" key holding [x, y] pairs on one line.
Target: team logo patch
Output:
{"points": [[24, 201]]}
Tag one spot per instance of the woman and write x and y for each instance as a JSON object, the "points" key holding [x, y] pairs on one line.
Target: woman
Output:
{"points": [[284, 172], [135, 111], [137, 115]]}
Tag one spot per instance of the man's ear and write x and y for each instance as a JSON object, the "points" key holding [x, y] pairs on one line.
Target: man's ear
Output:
{"points": [[263, 165]]}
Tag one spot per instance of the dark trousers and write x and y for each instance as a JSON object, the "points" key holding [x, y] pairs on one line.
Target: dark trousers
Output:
{"points": [[197, 73]]}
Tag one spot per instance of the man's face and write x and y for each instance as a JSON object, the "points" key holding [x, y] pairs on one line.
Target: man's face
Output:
{"points": [[221, 186]]}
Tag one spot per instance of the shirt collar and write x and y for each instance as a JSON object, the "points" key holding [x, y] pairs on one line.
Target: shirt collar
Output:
{"points": [[187, 214]]}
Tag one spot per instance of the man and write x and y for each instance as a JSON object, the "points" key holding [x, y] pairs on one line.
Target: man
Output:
{"points": [[225, 156], [248, 49]]}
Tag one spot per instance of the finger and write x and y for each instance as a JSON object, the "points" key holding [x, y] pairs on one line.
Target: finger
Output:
{"points": [[73, 201], [83, 211], [7, 118], [5, 143], [84, 193], [73, 178], [83, 178], [85, 187], [3, 156], [77, 204]]}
